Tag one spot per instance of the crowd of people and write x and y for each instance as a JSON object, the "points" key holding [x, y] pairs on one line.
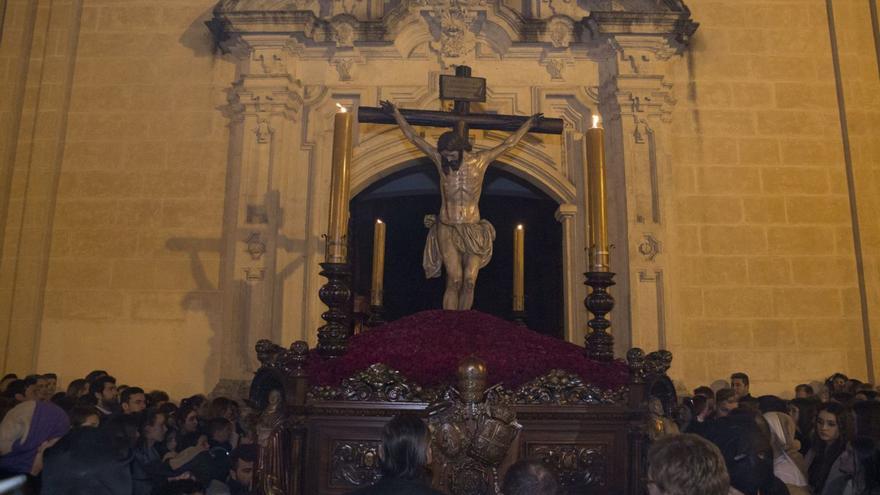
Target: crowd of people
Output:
{"points": [[103, 438], [98, 437]]}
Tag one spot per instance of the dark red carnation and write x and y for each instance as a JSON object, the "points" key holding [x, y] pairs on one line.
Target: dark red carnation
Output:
{"points": [[426, 348]]}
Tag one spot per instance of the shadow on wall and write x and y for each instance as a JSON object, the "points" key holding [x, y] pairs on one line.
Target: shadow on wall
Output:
{"points": [[202, 298]]}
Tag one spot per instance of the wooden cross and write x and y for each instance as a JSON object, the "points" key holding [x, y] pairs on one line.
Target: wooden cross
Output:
{"points": [[463, 90]]}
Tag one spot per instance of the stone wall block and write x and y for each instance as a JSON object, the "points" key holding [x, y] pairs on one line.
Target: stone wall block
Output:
{"points": [[766, 270], [708, 209], [736, 302], [728, 180], [773, 333], [802, 301], [716, 334], [733, 239], [758, 151], [824, 270], [794, 180], [764, 209], [808, 209], [800, 240]]}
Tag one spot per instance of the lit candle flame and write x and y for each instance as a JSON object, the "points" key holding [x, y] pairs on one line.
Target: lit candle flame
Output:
{"points": [[379, 220], [595, 121], [519, 227], [341, 108]]}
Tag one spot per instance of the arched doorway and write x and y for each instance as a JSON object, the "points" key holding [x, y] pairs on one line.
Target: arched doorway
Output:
{"points": [[404, 198]]}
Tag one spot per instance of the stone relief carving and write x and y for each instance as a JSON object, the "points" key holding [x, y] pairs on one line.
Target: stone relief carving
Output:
{"points": [[568, 8], [455, 38], [344, 67], [264, 131], [343, 29], [554, 67], [649, 248], [255, 246], [354, 463], [560, 31]]}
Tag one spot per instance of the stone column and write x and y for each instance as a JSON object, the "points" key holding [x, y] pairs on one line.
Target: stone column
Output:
{"points": [[264, 103], [570, 284]]}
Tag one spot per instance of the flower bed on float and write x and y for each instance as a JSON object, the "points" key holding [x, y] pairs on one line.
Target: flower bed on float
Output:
{"points": [[426, 348]]}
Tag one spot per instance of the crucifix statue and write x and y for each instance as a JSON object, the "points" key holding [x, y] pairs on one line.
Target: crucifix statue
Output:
{"points": [[459, 240]]}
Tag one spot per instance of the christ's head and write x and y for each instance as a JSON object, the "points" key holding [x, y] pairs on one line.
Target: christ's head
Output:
{"points": [[451, 147]]}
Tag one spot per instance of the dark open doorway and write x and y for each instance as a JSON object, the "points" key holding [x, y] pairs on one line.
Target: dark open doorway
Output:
{"points": [[403, 199]]}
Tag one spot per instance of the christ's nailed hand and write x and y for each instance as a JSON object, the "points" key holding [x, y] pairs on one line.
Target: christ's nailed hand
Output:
{"points": [[388, 107]]}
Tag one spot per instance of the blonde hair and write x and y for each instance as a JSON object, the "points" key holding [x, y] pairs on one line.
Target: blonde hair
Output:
{"points": [[687, 464]]}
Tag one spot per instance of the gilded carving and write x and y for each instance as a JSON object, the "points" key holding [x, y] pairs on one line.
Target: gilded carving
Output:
{"points": [[376, 383]]}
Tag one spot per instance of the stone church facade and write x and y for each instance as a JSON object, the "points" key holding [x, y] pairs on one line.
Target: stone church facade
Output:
{"points": [[164, 171]]}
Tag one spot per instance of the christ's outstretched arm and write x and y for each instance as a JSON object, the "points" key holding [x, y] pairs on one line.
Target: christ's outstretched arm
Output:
{"points": [[410, 133], [512, 140]]}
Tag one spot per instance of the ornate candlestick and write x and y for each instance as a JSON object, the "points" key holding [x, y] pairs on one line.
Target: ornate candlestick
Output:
{"points": [[599, 342], [336, 293]]}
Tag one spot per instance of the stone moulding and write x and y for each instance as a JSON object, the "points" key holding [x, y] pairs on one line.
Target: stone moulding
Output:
{"points": [[379, 383]]}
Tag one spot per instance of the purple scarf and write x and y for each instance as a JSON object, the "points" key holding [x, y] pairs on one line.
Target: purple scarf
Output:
{"points": [[49, 421]]}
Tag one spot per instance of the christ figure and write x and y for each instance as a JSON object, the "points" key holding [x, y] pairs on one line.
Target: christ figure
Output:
{"points": [[459, 239]]}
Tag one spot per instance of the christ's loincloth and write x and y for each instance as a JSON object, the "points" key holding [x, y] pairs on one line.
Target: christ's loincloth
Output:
{"points": [[474, 239]]}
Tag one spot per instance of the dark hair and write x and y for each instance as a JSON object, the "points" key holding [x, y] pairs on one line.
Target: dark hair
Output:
{"points": [[868, 460], [804, 386], [705, 392], [827, 454], [740, 375], [16, 387], [844, 398], [699, 404], [194, 401], [215, 425], [529, 477], [94, 375], [8, 376], [724, 394], [157, 396], [49, 376], [97, 386], [79, 413], [806, 422], [220, 405], [685, 464], [31, 380], [404, 448], [126, 394], [772, 403], [245, 452], [144, 419], [76, 386]]}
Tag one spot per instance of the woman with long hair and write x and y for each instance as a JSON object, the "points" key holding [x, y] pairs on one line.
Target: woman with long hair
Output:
{"points": [[403, 459], [832, 463]]}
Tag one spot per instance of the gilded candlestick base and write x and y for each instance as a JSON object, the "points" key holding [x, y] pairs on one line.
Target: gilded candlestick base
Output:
{"points": [[519, 317], [336, 294], [377, 316], [599, 342]]}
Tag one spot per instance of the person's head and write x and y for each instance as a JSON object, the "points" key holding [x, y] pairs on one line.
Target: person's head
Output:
{"points": [[739, 382], [222, 407], [152, 426], [844, 398], [686, 464], [198, 402], [51, 383], [243, 459], [834, 422], [803, 391], [133, 400], [77, 388], [6, 380], [84, 417], [219, 430], [772, 403], [803, 412], [725, 401], [157, 397], [187, 419], [837, 383], [104, 390], [700, 406], [94, 375], [20, 391], [405, 448], [33, 391], [708, 393], [746, 449], [527, 477]]}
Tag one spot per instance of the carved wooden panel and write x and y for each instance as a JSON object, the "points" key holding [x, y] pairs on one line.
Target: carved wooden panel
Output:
{"points": [[354, 463], [579, 467]]}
